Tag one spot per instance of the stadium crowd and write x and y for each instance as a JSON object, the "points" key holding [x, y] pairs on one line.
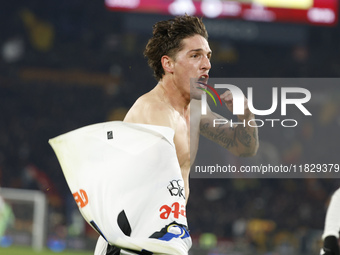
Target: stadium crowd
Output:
{"points": [[67, 66]]}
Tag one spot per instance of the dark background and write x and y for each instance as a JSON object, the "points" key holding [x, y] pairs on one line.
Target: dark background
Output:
{"points": [[67, 64]]}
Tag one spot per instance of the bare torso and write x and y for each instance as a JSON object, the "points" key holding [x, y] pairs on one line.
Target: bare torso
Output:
{"points": [[175, 103], [155, 108]]}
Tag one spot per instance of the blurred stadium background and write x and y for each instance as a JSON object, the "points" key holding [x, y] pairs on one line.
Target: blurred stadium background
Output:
{"points": [[69, 63]]}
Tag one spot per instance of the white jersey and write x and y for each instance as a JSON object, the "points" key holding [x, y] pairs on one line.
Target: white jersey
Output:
{"points": [[332, 221], [127, 182]]}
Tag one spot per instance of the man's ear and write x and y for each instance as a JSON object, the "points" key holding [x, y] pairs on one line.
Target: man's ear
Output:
{"points": [[167, 64]]}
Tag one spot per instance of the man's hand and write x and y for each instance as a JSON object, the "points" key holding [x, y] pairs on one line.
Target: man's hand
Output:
{"points": [[227, 98]]}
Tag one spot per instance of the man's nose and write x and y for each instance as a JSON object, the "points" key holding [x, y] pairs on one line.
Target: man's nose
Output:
{"points": [[206, 65]]}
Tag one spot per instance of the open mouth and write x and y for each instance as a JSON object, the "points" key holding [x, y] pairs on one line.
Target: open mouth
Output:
{"points": [[203, 78], [202, 81]]}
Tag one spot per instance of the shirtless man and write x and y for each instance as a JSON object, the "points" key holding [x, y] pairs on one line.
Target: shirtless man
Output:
{"points": [[177, 52]]}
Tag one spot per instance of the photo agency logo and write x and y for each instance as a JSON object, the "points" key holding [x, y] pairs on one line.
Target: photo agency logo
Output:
{"points": [[295, 96]]}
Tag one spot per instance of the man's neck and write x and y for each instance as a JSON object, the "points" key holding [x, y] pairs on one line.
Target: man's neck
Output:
{"points": [[173, 96]]}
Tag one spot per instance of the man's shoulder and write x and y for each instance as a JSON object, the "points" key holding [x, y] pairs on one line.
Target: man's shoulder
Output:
{"points": [[150, 110], [150, 102]]}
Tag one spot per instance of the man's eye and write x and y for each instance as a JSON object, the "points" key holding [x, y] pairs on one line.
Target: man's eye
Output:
{"points": [[195, 55]]}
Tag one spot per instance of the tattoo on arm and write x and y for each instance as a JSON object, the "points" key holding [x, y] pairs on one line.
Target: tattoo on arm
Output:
{"points": [[255, 137], [241, 140], [243, 136], [218, 135]]}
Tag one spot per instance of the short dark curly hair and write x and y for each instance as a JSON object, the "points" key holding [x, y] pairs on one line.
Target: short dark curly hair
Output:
{"points": [[167, 39]]}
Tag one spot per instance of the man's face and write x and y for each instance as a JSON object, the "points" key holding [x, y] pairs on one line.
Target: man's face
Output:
{"points": [[192, 64]]}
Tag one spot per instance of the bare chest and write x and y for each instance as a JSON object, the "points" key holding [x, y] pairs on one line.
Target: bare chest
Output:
{"points": [[186, 141], [182, 143]]}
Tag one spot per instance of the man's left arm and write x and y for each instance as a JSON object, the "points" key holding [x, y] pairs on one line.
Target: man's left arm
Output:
{"points": [[240, 139]]}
